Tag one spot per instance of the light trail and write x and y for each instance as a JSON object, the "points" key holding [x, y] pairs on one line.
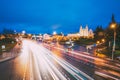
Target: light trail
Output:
{"points": [[41, 61], [97, 61], [100, 61], [24, 59], [31, 72], [41, 66], [105, 75], [70, 68]]}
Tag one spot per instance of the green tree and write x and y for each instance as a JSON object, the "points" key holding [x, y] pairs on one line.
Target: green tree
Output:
{"points": [[8, 31], [99, 33], [118, 36], [109, 33]]}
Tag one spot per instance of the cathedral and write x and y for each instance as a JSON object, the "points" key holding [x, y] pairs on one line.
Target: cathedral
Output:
{"points": [[83, 32]]}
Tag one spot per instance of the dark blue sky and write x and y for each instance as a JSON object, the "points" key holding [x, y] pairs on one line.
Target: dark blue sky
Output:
{"points": [[40, 16]]}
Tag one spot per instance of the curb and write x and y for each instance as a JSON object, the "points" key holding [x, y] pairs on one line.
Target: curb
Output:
{"points": [[7, 59]]}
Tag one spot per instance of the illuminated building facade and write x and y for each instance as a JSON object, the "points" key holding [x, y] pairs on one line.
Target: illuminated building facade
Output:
{"points": [[83, 32]]}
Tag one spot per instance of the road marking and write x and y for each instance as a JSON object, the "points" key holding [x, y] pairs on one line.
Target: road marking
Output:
{"points": [[105, 75]]}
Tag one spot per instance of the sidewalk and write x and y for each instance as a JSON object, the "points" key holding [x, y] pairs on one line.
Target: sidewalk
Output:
{"points": [[10, 55]]}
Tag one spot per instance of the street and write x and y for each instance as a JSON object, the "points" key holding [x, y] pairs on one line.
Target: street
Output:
{"points": [[92, 65], [38, 63]]}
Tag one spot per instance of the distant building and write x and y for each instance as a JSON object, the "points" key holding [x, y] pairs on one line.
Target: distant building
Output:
{"points": [[37, 37], [83, 32], [73, 35], [46, 37]]}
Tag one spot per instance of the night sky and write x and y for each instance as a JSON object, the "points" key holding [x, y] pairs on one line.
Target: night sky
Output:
{"points": [[46, 16]]}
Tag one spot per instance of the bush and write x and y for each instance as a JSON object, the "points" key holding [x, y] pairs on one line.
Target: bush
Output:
{"points": [[6, 41], [83, 41]]}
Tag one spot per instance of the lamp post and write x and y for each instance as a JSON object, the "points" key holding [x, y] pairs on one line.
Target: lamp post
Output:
{"points": [[113, 26]]}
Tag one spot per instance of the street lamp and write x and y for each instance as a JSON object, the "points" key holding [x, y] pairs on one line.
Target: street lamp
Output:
{"points": [[23, 32], [113, 26], [98, 42], [54, 33], [103, 40]]}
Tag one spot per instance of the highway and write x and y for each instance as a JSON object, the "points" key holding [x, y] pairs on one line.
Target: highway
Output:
{"points": [[105, 68], [41, 61], [35, 62]]}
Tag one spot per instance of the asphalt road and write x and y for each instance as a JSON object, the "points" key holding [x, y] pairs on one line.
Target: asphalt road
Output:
{"points": [[35, 62]]}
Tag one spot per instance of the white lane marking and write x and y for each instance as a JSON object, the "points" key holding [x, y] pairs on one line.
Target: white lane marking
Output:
{"points": [[105, 75]]}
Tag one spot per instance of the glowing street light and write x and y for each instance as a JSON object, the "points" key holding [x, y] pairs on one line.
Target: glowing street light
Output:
{"points": [[103, 40], [98, 42], [54, 33], [23, 32], [113, 26]]}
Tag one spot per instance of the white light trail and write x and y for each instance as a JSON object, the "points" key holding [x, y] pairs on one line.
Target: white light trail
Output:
{"points": [[42, 66], [40, 63], [97, 62], [105, 75], [71, 69]]}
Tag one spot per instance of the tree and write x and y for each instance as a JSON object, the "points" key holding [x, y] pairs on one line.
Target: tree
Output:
{"points": [[8, 31], [118, 36], [99, 33], [109, 33]]}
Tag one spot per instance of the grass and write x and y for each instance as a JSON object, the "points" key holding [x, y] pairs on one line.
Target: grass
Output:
{"points": [[108, 52], [117, 53], [85, 41]]}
